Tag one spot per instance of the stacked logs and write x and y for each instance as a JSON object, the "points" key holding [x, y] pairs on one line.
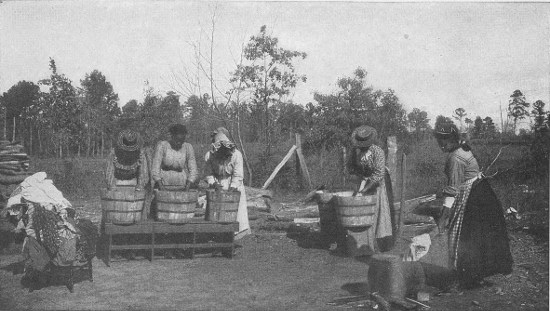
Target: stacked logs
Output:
{"points": [[14, 163]]}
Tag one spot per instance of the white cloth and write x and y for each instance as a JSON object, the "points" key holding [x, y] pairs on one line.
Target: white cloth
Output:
{"points": [[37, 189], [419, 247]]}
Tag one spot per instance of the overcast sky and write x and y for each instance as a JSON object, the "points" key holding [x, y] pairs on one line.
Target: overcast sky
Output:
{"points": [[436, 56]]}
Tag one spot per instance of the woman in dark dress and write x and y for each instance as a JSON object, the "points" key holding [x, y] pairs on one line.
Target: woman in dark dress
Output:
{"points": [[471, 214]]}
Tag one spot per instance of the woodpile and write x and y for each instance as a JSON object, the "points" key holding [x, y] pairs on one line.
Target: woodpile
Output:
{"points": [[14, 163]]}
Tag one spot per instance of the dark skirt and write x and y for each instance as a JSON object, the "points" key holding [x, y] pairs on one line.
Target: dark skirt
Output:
{"points": [[483, 249]]}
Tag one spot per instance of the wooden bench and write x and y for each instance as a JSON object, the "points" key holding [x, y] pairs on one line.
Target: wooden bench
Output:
{"points": [[152, 229]]}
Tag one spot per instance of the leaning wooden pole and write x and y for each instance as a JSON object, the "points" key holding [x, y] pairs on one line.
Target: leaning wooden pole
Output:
{"points": [[278, 167], [302, 161]]}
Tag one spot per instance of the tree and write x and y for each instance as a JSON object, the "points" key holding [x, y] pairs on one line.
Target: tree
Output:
{"points": [[479, 129], [20, 108], [459, 114], [517, 107], [440, 119], [100, 110], [540, 115], [61, 111], [335, 116], [489, 127], [269, 75], [418, 120], [469, 122]]}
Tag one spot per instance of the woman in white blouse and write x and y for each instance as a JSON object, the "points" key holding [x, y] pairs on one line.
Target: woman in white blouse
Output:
{"points": [[224, 170]]}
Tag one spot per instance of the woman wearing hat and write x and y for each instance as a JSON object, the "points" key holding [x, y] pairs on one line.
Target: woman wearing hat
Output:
{"points": [[478, 241], [224, 169], [174, 161], [368, 162], [127, 165]]}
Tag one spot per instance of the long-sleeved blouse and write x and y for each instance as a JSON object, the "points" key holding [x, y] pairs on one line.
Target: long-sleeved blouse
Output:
{"points": [[229, 172], [370, 164], [460, 166], [174, 167]]}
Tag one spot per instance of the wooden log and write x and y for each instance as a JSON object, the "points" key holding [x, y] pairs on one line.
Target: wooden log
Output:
{"points": [[13, 179], [278, 167]]}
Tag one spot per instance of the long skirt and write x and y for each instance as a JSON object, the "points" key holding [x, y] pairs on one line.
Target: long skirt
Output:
{"points": [[483, 247]]}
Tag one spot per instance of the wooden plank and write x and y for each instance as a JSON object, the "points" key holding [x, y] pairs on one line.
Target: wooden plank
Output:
{"points": [[130, 246], [302, 161], [402, 193], [135, 228], [278, 167], [191, 245], [195, 227], [391, 160], [409, 205]]}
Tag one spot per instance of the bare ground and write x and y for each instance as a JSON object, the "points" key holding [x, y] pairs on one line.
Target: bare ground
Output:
{"points": [[272, 270]]}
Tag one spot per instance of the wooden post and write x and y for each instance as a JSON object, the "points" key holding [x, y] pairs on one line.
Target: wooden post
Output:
{"points": [[402, 194], [391, 163], [302, 161], [391, 160], [344, 165], [13, 137]]}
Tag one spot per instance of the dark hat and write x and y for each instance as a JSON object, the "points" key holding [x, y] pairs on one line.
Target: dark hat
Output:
{"points": [[128, 140], [364, 136], [178, 129]]}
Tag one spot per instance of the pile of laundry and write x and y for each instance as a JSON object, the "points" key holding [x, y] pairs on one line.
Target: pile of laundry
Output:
{"points": [[14, 163], [53, 234]]}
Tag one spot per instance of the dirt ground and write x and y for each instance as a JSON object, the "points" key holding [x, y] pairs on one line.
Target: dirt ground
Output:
{"points": [[278, 267]]}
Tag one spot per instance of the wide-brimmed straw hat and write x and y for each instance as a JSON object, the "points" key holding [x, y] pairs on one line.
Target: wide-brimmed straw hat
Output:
{"points": [[364, 136], [128, 140], [446, 129], [221, 140]]}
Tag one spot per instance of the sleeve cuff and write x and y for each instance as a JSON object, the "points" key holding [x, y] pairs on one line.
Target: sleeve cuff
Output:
{"points": [[448, 202]]}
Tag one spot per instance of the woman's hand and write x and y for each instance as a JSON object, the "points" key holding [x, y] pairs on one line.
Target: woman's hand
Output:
{"points": [[216, 186], [367, 187]]}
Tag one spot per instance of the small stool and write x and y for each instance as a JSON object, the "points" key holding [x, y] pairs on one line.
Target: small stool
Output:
{"points": [[394, 278]]}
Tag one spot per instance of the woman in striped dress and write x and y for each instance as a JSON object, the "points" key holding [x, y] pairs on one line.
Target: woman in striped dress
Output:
{"points": [[471, 214]]}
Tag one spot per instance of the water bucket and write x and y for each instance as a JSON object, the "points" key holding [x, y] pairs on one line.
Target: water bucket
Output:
{"points": [[221, 205], [327, 218], [122, 205], [356, 211], [394, 278], [176, 206]]}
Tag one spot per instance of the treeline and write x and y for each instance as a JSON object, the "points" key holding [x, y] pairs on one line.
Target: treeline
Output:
{"points": [[55, 117]]}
